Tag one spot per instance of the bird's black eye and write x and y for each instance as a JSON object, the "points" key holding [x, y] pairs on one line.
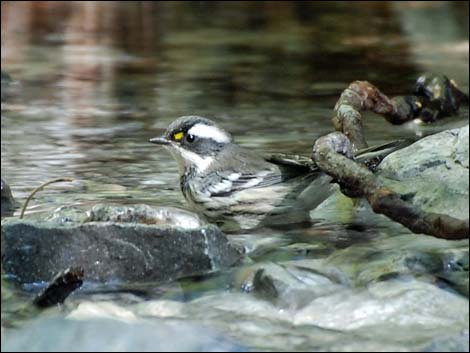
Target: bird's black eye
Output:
{"points": [[190, 138]]}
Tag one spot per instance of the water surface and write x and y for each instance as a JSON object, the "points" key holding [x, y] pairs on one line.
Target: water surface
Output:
{"points": [[94, 81]]}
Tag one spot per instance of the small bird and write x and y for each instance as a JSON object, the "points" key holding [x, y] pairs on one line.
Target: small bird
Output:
{"points": [[236, 188]]}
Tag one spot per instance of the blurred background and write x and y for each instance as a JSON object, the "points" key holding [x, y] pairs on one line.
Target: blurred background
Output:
{"points": [[92, 81]]}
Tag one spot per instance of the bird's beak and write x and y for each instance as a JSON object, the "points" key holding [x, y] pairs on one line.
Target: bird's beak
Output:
{"points": [[160, 140]]}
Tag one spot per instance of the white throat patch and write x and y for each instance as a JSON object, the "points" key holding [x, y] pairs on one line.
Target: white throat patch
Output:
{"points": [[186, 158], [208, 131]]}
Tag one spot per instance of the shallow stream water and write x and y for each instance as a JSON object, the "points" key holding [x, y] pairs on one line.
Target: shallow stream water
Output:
{"points": [[93, 81]]}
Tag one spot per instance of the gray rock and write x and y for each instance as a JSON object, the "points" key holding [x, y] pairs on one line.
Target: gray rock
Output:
{"points": [[106, 335], [8, 202], [5, 84], [68, 215], [138, 213], [394, 305], [110, 252], [395, 315], [287, 286], [146, 215], [452, 343], [433, 172]]}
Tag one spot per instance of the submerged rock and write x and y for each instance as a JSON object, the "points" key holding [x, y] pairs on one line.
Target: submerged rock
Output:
{"points": [[452, 343], [398, 303], [8, 202], [287, 285], [107, 335], [396, 315], [35, 251]]}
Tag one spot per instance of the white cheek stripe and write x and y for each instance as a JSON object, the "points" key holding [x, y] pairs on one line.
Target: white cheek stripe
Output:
{"points": [[212, 132]]}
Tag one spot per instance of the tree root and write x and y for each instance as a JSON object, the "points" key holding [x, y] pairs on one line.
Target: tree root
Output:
{"points": [[332, 154]]}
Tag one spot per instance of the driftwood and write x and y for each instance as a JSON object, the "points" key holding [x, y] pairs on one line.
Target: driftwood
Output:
{"points": [[435, 97], [63, 284], [332, 154]]}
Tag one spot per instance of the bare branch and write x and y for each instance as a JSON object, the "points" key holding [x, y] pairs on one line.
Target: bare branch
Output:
{"points": [[331, 154]]}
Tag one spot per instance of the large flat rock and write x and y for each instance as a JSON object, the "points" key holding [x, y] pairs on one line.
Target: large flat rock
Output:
{"points": [[112, 252]]}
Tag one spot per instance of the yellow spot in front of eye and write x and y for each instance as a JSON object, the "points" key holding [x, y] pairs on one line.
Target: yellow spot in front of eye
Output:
{"points": [[178, 136]]}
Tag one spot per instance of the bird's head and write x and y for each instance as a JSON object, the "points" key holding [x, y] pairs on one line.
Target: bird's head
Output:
{"points": [[194, 141]]}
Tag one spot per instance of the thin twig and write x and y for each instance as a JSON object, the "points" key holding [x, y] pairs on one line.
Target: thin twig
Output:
{"points": [[39, 188]]}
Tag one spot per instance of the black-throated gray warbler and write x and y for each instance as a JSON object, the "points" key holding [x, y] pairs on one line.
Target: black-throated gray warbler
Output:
{"points": [[235, 187]]}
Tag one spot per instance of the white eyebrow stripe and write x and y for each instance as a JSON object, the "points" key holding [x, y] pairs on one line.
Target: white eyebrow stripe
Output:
{"points": [[208, 131]]}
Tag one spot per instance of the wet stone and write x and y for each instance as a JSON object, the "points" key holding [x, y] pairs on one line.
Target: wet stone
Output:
{"points": [[287, 286], [107, 335], [68, 215], [433, 172], [6, 82], [145, 214], [139, 213], [35, 251], [452, 343], [8, 202]]}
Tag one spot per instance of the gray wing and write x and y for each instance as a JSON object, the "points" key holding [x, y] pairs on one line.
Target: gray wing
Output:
{"points": [[292, 161], [244, 170], [229, 181]]}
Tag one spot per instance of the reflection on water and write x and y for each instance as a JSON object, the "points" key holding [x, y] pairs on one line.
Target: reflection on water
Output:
{"points": [[95, 80]]}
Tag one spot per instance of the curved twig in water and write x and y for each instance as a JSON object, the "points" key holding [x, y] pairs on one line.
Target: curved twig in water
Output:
{"points": [[39, 188]]}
